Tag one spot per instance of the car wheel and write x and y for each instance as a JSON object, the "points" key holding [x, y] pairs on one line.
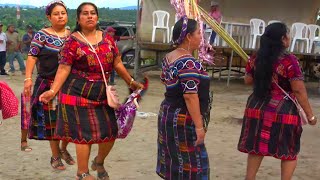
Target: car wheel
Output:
{"points": [[128, 58]]}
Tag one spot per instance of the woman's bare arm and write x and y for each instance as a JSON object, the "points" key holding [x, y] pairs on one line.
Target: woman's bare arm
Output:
{"points": [[300, 92]]}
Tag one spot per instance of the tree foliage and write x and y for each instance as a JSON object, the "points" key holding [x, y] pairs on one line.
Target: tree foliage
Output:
{"points": [[37, 18]]}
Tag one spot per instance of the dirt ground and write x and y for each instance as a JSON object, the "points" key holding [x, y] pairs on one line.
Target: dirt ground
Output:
{"points": [[135, 157]]}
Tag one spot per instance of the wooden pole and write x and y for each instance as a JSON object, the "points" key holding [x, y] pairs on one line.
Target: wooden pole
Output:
{"points": [[137, 50]]}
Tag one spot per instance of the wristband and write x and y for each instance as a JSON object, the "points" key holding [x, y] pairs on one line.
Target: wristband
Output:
{"points": [[132, 80], [199, 129], [51, 90], [26, 79]]}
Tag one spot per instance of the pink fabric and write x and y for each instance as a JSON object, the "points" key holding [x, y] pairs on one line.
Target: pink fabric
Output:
{"points": [[25, 111], [216, 15], [8, 101], [126, 114], [127, 111]]}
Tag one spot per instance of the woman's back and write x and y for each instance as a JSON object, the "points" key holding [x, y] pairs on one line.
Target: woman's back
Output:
{"points": [[271, 124], [285, 70], [273, 119]]}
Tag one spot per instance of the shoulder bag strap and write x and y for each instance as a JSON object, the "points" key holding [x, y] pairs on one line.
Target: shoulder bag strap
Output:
{"points": [[294, 101], [94, 51]]}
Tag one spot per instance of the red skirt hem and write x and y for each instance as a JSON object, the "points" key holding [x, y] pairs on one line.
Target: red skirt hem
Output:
{"points": [[83, 141], [269, 154]]}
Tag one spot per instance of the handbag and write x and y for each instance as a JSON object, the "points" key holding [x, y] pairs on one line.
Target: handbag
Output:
{"points": [[112, 96], [25, 111], [126, 114], [302, 114], [127, 111]]}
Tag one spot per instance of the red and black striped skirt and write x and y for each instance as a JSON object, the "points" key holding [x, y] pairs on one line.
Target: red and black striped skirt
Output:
{"points": [[83, 114], [271, 127]]}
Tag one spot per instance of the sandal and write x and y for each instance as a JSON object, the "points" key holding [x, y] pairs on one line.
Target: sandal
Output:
{"points": [[83, 176], [56, 163], [101, 175], [65, 155], [25, 148]]}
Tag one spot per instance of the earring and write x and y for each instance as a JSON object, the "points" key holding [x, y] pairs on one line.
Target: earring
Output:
{"points": [[189, 46]]}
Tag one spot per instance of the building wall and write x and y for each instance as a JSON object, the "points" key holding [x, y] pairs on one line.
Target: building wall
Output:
{"points": [[288, 11]]}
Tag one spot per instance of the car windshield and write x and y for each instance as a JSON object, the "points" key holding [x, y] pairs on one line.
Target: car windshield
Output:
{"points": [[122, 31]]}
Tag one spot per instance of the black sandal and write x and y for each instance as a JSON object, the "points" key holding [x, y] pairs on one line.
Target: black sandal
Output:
{"points": [[101, 175]]}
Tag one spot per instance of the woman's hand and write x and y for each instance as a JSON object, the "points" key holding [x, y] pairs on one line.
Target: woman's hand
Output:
{"points": [[136, 85], [200, 136], [27, 87], [313, 120], [46, 96], [210, 49]]}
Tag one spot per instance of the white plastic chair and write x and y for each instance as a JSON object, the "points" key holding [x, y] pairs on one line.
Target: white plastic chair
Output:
{"points": [[161, 21], [175, 20], [299, 32], [257, 27], [273, 21], [207, 35], [312, 29]]}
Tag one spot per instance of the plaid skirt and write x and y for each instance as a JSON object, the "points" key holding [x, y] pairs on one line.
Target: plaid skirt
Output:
{"points": [[271, 128], [83, 114], [43, 116], [178, 157]]}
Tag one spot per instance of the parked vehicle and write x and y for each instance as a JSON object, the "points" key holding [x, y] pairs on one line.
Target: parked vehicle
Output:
{"points": [[126, 47]]}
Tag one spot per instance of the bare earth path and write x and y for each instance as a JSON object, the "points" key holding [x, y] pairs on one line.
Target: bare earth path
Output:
{"points": [[135, 157]]}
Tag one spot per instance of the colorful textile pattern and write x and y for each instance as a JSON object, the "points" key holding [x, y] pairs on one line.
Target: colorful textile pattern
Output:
{"points": [[84, 62], [178, 157], [43, 121], [44, 40], [183, 30], [8, 101], [272, 126], [45, 47], [84, 116], [25, 111], [127, 111], [126, 114]]}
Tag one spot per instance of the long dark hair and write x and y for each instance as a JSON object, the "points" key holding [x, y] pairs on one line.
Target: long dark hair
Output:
{"points": [[271, 48], [191, 27], [79, 10]]}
